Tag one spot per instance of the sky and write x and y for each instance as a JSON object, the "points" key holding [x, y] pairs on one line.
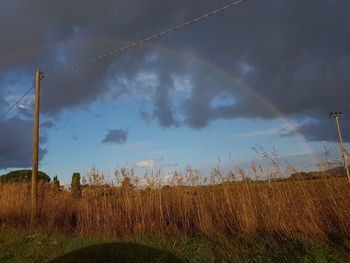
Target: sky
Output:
{"points": [[262, 74]]}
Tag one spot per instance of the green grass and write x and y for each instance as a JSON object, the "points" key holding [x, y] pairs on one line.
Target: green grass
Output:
{"points": [[18, 246]]}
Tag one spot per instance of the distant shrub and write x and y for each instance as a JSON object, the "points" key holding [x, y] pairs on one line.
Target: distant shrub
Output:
{"points": [[75, 185], [333, 172], [55, 183], [22, 176]]}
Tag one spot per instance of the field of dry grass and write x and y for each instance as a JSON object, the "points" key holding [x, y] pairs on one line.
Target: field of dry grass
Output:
{"points": [[312, 209]]}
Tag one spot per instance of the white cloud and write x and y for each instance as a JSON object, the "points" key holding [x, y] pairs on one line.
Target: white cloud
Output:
{"points": [[182, 83], [143, 84], [25, 102], [146, 163]]}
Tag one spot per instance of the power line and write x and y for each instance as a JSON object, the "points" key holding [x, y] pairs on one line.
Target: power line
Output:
{"points": [[131, 45], [140, 42], [14, 105]]}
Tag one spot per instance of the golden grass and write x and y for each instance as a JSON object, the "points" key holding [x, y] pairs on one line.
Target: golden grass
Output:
{"points": [[313, 209]]}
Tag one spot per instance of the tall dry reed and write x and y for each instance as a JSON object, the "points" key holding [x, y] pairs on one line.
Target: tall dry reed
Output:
{"points": [[308, 208]]}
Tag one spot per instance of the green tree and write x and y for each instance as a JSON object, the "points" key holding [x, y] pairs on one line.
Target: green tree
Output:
{"points": [[23, 176], [75, 185], [55, 184]]}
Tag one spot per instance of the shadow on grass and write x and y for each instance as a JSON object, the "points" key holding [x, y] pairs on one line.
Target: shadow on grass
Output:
{"points": [[118, 253]]}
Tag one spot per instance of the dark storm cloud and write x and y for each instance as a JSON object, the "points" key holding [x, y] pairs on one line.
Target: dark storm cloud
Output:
{"points": [[118, 136], [163, 105], [296, 54], [57, 34], [323, 129], [16, 147]]}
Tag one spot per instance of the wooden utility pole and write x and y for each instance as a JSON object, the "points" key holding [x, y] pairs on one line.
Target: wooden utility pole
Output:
{"points": [[34, 192], [336, 116]]}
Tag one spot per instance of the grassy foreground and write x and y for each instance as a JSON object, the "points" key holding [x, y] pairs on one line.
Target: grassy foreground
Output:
{"points": [[19, 246], [225, 220]]}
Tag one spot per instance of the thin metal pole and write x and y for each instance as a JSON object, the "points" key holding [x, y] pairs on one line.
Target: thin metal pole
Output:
{"points": [[342, 148], [34, 190]]}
